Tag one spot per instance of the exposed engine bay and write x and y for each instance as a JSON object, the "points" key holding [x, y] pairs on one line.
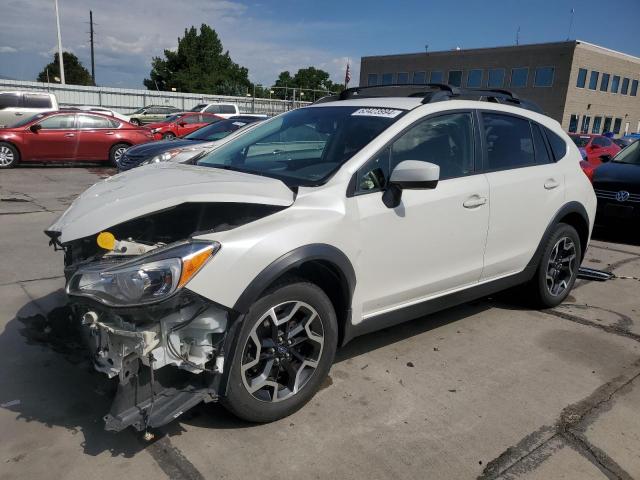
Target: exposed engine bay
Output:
{"points": [[124, 285]]}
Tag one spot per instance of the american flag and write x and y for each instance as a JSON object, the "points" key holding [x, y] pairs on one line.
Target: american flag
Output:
{"points": [[347, 76]]}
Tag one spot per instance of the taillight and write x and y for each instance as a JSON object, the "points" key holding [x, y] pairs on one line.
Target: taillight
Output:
{"points": [[588, 169]]}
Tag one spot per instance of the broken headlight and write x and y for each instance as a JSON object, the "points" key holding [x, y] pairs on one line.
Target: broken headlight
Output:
{"points": [[147, 279]]}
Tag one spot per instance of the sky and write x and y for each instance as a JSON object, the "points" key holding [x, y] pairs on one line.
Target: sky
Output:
{"points": [[268, 36]]}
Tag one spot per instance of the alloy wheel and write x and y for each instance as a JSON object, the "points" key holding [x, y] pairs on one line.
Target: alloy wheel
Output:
{"points": [[561, 266], [117, 155], [282, 352], [6, 156]]}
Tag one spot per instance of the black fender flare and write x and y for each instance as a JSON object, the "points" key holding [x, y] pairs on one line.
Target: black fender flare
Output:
{"points": [[292, 260], [566, 209]]}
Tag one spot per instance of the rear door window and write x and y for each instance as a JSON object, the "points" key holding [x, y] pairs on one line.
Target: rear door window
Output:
{"points": [[508, 142], [89, 122], [10, 100], [37, 101]]}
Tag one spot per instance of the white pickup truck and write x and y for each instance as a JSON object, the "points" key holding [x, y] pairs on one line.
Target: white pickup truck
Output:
{"points": [[16, 105], [225, 110]]}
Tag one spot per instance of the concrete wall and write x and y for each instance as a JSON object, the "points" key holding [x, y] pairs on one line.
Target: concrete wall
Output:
{"points": [[127, 100], [583, 101], [557, 55]]}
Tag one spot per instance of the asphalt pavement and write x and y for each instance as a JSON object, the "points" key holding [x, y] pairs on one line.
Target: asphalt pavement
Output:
{"points": [[486, 390]]}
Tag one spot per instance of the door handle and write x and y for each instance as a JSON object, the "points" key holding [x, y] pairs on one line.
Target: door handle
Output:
{"points": [[551, 184], [474, 201], [69, 134], [109, 133], [19, 114]]}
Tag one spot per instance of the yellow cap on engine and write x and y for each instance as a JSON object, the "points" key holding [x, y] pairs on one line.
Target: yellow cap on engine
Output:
{"points": [[106, 240]]}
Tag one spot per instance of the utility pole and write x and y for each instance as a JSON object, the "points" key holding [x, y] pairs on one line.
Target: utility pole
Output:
{"points": [[59, 44], [93, 65]]}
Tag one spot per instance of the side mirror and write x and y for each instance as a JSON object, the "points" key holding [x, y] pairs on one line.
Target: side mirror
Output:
{"points": [[182, 124], [410, 175], [605, 158], [35, 128]]}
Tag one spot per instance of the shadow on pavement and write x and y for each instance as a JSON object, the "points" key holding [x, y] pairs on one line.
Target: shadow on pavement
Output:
{"points": [[58, 386], [618, 234]]}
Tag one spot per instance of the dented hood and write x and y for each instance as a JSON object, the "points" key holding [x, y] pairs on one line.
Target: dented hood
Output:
{"points": [[156, 187]]}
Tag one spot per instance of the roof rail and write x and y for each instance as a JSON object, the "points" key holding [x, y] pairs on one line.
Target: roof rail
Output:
{"points": [[433, 92]]}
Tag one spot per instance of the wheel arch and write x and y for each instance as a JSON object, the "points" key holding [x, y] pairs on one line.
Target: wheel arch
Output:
{"points": [[324, 265], [13, 144]]}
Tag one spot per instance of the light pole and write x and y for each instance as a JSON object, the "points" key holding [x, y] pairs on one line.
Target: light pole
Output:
{"points": [[55, 2]]}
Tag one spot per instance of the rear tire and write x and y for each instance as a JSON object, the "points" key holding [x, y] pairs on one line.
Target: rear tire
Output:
{"points": [[135, 121], [9, 155], [558, 268], [285, 349], [116, 153], [168, 136]]}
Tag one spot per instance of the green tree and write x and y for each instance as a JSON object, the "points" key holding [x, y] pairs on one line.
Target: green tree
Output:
{"points": [[199, 65], [309, 78], [74, 71]]}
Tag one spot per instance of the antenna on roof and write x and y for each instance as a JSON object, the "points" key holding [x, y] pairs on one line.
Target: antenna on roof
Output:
{"points": [[573, 11]]}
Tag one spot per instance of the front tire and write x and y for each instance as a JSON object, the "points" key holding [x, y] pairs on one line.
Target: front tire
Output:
{"points": [[558, 268], [168, 136], [116, 153], [285, 349], [135, 121], [9, 155]]}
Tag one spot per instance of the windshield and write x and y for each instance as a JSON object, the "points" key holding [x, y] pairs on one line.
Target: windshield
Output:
{"points": [[304, 146], [630, 155], [171, 119], [139, 111], [580, 141], [217, 130], [198, 107], [28, 119]]}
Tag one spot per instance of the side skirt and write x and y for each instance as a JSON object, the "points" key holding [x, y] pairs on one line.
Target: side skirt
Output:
{"points": [[428, 307]]}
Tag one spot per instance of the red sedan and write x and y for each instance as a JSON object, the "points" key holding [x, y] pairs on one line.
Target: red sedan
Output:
{"points": [[596, 146], [181, 124], [68, 136]]}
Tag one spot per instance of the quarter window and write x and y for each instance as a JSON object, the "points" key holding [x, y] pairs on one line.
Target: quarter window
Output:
{"points": [[474, 78], [372, 79], [541, 152], [496, 77], [59, 122], [604, 83], [544, 77], [557, 144], [508, 142], [436, 77], [593, 80], [446, 140], [519, 77], [615, 84], [582, 78], [455, 78]]}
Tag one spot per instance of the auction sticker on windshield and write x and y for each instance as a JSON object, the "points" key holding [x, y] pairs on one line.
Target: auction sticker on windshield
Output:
{"points": [[376, 112]]}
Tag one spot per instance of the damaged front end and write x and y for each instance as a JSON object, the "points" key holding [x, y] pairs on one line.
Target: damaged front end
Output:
{"points": [[163, 342]]}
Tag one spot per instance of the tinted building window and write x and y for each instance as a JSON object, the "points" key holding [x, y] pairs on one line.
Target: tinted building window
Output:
{"points": [[582, 78], [519, 77], [573, 124], [625, 86], [387, 78], [403, 78], [419, 77], [604, 83], [558, 145], [615, 84], [436, 77], [634, 88], [586, 122], [372, 79], [539, 145], [596, 124], [617, 123], [544, 77], [593, 80], [607, 125], [508, 141], [474, 78], [496, 77], [455, 78]]}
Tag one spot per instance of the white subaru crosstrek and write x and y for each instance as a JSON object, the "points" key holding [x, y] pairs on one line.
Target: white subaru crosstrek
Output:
{"points": [[236, 279]]}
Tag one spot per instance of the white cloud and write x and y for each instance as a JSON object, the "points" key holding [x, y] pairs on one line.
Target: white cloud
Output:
{"points": [[7, 49]]}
